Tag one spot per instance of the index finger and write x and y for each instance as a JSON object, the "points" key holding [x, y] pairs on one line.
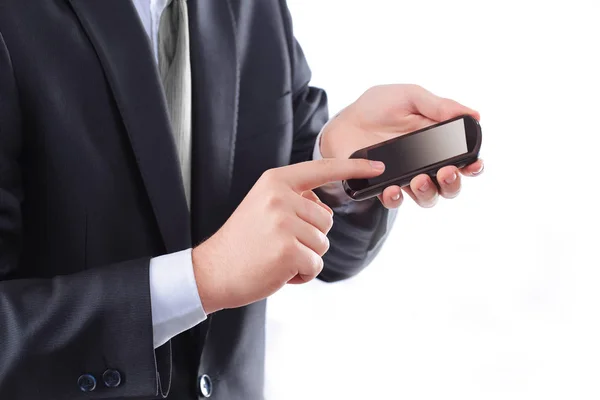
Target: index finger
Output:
{"points": [[312, 174]]}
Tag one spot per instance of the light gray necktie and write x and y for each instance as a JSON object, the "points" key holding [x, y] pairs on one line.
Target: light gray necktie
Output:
{"points": [[176, 75]]}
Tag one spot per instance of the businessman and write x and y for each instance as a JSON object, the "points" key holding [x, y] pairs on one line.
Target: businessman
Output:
{"points": [[164, 168]]}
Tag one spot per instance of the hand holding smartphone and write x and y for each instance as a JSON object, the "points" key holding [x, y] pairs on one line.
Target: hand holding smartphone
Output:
{"points": [[453, 142]]}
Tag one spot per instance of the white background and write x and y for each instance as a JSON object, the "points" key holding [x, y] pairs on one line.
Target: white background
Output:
{"points": [[495, 294]]}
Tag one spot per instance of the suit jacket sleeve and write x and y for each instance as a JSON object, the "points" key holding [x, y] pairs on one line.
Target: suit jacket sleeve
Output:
{"points": [[358, 232], [54, 330]]}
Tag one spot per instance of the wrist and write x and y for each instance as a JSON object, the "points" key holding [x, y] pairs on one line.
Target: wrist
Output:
{"points": [[335, 134], [325, 146], [204, 273]]}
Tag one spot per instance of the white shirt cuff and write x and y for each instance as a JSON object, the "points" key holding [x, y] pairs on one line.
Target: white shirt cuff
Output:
{"points": [[175, 302], [334, 189], [317, 150]]}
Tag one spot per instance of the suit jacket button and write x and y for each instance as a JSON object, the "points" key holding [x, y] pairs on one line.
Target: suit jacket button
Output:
{"points": [[86, 383], [205, 386], [111, 378]]}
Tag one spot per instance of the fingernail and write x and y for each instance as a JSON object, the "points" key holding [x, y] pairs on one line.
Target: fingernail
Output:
{"points": [[424, 187], [480, 170], [396, 197], [378, 165], [450, 180]]}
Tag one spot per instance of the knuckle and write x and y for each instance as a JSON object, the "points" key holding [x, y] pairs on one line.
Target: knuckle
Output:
{"points": [[369, 90], [324, 244], [273, 200], [323, 220], [282, 222], [378, 88], [311, 267], [444, 108], [329, 224], [413, 87], [311, 195], [281, 253], [307, 207], [269, 175], [316, 265], [289, 249]]}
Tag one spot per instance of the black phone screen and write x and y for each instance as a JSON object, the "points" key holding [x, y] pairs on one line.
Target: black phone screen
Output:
{"points": [[415, 151]]}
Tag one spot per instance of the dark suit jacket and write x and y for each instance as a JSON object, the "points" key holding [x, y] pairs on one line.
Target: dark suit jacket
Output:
{"points": [[90, 190]]}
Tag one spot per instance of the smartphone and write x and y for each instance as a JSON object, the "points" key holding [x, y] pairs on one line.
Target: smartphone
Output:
{"points": [[453, 142]]}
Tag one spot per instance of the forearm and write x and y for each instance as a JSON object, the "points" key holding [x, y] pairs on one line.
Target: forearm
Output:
{"points": [[59, 329]]}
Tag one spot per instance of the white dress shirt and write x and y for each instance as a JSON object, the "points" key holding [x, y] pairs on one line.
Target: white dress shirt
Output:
{"points": [[175, 302]]}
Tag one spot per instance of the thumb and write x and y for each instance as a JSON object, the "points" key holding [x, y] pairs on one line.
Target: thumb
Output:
{"points": [[438, 108]]}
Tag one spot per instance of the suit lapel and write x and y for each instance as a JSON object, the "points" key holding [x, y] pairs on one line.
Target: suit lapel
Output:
{"points": [[124, 51], [215, 86]]}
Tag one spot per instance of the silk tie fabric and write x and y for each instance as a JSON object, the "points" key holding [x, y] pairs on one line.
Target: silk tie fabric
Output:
{"points": [[176, 76]]}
